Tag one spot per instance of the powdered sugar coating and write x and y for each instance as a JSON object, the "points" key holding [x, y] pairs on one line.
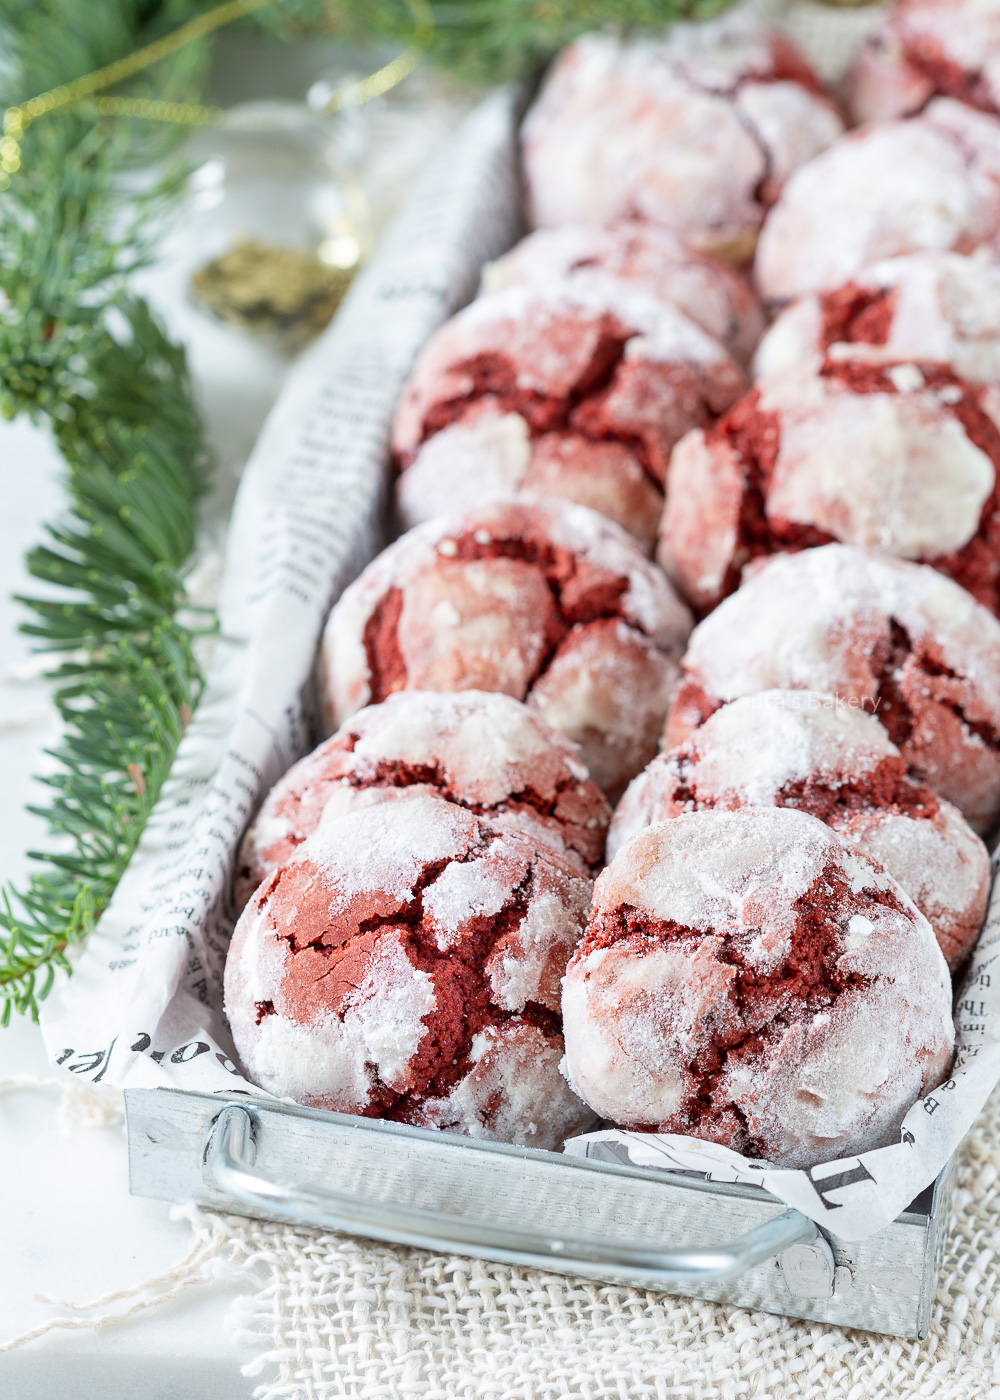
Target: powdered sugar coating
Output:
{"points": [[406, 964], [924, 47], [485, 752], [929, 183], [897, 456], [923, 306], [800, 749], [896, 638], [694, 132], [509, 598], [749, 753], [710, 292], [489, 454], [941, 864], [598, 356], [748, 979]]}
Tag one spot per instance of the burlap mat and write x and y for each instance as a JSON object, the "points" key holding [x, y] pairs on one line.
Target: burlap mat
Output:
{"points": [[340, 1317]]}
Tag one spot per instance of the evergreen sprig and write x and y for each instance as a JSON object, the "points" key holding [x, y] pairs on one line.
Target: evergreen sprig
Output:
{"points": [[127, 678], [81, 354], [482, 39], [505, 38]]}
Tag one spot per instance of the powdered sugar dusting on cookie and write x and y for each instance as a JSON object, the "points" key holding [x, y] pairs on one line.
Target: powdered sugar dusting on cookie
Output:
{"points": [[485, 454], [371, 973], [386, 847], [893, 188], [895, 471], [600, 357], [923, 47], [712, 293], [893, 637], [509, 597], [942, 307], [716, 872], [749, 752], [486, 752], [516, 1069], [747, 979], [806, 751], [901, 457], [674, 131], [941, 863]]}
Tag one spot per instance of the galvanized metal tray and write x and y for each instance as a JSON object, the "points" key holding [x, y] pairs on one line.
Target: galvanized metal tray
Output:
{"points": [[662, 1231], [599, 1219]]}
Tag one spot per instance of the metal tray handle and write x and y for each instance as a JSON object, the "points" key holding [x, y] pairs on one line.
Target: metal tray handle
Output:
{"points": [[229, 1161]]}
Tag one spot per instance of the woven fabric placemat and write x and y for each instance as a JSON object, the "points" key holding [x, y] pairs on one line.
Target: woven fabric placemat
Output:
{"points": [[342, 1317]]}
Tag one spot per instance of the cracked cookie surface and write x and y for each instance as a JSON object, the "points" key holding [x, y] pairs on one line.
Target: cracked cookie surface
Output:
{"points": [[577, 390], [901, 457], [933, 306], [406, 964], [924, 48], [485, 752], [897, 639], [748, 979], [549, 603], [697, 131], [804, 750]]}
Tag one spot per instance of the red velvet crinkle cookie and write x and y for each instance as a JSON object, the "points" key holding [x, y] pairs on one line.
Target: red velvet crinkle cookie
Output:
{"points": [[696, 132], [711, 292], [926, 306], [749, 979], [406, 964], [578, 391], [797, 748], [926, 184], [488, 753], [897, 639], [899, 457], [925, 48], [548, 603], [490, 455]]}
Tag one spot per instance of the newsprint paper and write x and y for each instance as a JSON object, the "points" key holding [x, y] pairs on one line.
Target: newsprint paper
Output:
{"points": [[144, 1006]]}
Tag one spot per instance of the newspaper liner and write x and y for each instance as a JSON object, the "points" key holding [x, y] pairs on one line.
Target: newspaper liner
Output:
{"points": [[144, 1006]]}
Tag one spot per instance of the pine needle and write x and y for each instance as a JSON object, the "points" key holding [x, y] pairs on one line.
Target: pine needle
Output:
{"points": [[78, 352]]}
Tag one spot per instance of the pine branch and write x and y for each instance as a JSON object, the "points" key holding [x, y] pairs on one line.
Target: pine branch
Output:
{"points": [[137, 466], [489, 39], [76, 351], [483, 40]]}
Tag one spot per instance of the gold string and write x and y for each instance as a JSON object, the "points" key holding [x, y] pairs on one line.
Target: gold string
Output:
{"points": [[390, 74], [18, 118], [153, 110]]}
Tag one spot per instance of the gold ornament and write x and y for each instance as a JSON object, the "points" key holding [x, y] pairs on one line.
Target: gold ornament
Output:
{"points": [[268, 289]]}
